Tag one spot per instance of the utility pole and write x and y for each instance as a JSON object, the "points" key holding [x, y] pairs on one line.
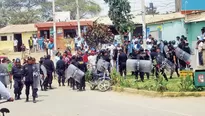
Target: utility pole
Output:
{"points": [[54, 26], [143, 23], [78, 19]]}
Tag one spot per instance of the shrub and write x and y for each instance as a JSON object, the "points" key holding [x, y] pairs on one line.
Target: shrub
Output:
{"points": [[186, 84], [161, 84], [88, 76]]}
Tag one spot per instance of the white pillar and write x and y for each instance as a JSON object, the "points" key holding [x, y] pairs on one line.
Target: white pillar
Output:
{"points": [[78, 19], [143, 22], [54, 26]]}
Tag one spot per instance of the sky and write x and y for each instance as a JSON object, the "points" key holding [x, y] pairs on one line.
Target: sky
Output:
{"points": [[162, 5]]}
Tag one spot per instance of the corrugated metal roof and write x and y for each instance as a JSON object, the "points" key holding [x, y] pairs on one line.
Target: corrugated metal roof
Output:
{"points": [[18, 28], [138, 18]]}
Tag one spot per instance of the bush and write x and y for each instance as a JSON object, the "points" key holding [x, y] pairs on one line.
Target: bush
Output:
{"points": [[186, 84], [88, 76], [161, 85]]}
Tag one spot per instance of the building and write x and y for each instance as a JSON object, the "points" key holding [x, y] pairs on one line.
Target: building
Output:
{"points": [[64, 30], [167, 26], [20, 32], [194, 23]]}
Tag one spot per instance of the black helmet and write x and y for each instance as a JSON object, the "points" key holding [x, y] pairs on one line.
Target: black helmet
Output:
{"points": [[173, 42], [165, 42], [141, 49], [170, 42]]}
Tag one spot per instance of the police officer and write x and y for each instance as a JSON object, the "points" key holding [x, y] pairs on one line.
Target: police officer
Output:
{"points": [[71, 80], [174, 60], [159, 68], [49, 65], [42, 75], [122, 62], [82, 66], [60, 69], [17, 72], [30, 74]]}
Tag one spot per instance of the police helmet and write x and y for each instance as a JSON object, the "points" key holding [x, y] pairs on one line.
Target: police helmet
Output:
{"points": [[173, 42], [165, 42], [18, 60]]}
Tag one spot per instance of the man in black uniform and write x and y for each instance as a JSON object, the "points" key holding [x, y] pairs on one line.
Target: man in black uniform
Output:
{"points": [[159, 68], [29, 74], [122, 62], [60, 69], [173, 59], [42, 74], [71, 80], [82, 66], [17, 72], [49, 65]]}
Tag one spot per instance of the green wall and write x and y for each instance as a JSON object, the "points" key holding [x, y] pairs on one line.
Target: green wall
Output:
{"points": [[194, 30]]}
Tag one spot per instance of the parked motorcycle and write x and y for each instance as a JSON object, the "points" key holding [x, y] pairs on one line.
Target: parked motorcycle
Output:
{"points": [[100, 80]]}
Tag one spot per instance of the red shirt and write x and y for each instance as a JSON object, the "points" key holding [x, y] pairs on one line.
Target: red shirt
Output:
{"points": [[85, 58]]}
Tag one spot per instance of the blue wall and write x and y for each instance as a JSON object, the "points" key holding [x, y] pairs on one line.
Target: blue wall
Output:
{"points": [[169, 30], [193, 5]]}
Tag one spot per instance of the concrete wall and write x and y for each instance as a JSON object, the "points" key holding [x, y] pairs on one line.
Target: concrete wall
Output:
{"points": [[169, 30], [26, 36], [7, 45]]}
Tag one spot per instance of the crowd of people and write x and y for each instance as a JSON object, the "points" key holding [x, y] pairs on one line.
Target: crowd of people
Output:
{"points": [[31, 74]]}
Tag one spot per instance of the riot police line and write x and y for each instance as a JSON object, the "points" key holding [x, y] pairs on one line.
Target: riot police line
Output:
{"points": [[163, 56]]}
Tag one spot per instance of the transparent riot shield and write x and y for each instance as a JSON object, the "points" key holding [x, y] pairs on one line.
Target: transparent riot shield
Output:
{"points": [[139, 65], [182, 55], [102, 65]]}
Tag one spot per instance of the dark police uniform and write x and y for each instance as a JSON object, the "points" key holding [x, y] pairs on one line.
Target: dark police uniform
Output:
{"points": [[173, 58], [60, 69], [49, 65], [82, 66], [122, 63], [17, 72], [159, 59], [31, 77]]}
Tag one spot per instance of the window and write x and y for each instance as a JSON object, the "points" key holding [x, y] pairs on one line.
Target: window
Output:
{"points": [[3, 38]]}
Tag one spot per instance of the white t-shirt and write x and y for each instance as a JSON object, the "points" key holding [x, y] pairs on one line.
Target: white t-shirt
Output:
{"points": [[200, 46], [15, 42], [35, 41]]}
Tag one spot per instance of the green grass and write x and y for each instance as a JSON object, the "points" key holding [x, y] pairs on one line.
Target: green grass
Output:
{"points": [[173, 85]]}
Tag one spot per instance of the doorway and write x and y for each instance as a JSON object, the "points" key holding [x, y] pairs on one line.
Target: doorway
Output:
{"points": [[69, 33], [19, 38], [45, 34]]}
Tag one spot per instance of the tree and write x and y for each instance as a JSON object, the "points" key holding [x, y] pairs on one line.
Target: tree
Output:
{"points": [[86, 7], [22, 11], [119, 13], [98, 33]]}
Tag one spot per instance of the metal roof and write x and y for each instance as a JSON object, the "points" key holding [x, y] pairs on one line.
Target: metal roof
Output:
{"points": [[18, 28]]}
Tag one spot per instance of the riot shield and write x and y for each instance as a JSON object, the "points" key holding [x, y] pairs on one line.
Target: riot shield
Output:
{"points": [[44, 73], [139, 65], [168, 65], [102, 65], [182, 55], [145, 66], [4, 74], [74, 72]]}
